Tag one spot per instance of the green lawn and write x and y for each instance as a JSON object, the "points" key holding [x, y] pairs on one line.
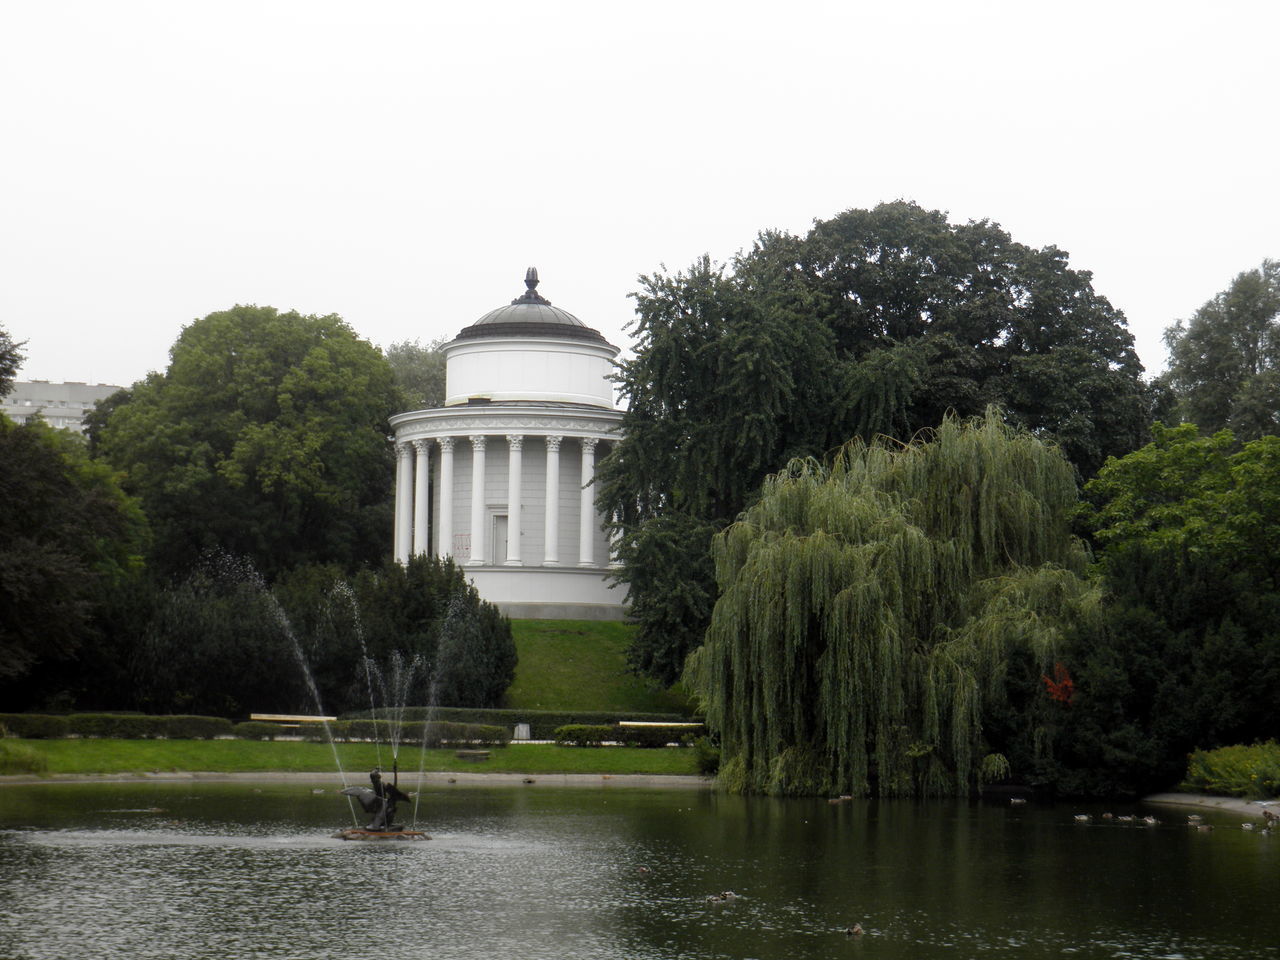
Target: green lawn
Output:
{"points": [[582, 665], [256, 756]]}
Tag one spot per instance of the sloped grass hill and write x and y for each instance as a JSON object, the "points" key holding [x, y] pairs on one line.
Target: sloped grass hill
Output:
{"points": [[572, 665]]}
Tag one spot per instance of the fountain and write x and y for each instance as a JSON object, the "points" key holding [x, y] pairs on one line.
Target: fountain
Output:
{"points": [[395, 685], [380, 799]]}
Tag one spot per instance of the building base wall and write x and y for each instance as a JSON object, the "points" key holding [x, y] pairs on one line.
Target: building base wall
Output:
{"points": [[550, 593], [563, 611]]}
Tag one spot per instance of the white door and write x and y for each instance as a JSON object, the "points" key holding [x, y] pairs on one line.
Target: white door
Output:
{"points": [[499, 538]]}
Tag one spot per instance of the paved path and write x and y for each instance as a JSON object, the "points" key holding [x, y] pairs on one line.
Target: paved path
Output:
{"points": [[1249, 809]]}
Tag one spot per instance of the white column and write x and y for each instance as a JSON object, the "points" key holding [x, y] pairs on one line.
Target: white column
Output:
{"points": [[515, 447], [587, 505], [421, 507], [551, 554], [444, 522], [477, 501], [404, 505]]}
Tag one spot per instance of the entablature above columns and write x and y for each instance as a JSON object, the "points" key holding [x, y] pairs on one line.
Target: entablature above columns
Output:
{"points": [[493, 421]]}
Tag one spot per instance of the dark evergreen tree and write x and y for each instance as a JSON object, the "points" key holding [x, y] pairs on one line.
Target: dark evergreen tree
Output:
{"points": [[877, 323]]}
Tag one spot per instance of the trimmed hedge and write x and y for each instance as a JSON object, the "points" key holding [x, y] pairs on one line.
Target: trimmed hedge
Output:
{"points": [[35, 726], [652, 736], [584, 735], [259, 730], [595, 735], [120, 726], [542, 723], [435, 733]]}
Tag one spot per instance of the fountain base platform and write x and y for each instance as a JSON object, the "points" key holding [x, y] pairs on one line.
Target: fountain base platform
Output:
{"points": [[356, 833]]}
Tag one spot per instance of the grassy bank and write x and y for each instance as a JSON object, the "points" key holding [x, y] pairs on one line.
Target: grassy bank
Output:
{"points": [[582, 665], [254, 756]]}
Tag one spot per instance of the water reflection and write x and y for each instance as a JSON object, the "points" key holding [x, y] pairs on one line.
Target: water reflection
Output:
{"points": [[218, 870]]}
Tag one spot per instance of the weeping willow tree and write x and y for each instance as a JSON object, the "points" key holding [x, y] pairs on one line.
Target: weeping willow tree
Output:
{"points": [[868, 610]]}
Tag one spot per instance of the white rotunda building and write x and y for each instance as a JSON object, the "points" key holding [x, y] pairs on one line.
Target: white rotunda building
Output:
{"points": [[501, 477]]}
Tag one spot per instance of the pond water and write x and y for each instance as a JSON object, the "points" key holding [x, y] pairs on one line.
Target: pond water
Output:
{"points": [[233, 870]]}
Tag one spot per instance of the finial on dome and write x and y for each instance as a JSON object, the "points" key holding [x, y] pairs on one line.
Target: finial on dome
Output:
{"points": [[531, 294]]}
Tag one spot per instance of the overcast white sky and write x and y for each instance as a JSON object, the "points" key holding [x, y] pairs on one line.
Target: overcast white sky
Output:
{"points": [[402, 163]]}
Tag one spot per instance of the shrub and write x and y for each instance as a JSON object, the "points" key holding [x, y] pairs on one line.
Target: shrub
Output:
{"points": [[706, 755], [122, 726], [35, 726], [583, 735], [182, 727], [19, 758], [257, 730], [651, 736], [1239, 771]]}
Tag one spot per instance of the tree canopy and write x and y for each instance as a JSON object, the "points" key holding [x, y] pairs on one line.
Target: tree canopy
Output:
{"points": [[876, 323], [419, 373], [869, 610], [10, 361], [68, 534], [1224, 363], [1190, 656], [265, 437]]}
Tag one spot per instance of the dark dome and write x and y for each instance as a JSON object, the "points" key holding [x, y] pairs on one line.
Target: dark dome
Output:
{"points": [[530, 315]]}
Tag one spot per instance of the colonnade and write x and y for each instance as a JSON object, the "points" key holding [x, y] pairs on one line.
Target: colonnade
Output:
{"points": [[412, 503]]}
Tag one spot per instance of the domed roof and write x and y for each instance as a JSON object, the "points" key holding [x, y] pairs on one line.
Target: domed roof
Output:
{"points": [[530, 315]]}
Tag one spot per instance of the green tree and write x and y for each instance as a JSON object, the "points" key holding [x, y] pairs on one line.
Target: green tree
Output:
{"points": [[1184, 530], [419, 373], [869, 610], [68, 536], [264, 438], [876, 323], [10, 360], [1224, 363]]}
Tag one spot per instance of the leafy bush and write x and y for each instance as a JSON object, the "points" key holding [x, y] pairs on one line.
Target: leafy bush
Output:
{"points": [[130, 726], [183, 727], [433, 733], [1239, 771], [35, 726], [117, 726], [19, 758], [584, 735], [706, 755], [257, 730], [651, 736]]}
